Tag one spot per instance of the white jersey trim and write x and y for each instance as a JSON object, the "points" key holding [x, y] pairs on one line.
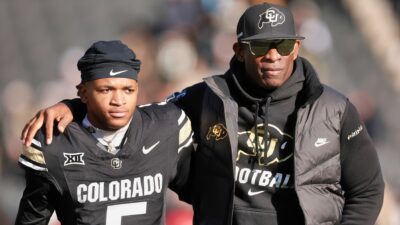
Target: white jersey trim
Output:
{"points": [[31, 165]]}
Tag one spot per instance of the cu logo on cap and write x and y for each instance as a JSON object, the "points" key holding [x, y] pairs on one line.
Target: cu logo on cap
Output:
{"points": [[272, 16]]}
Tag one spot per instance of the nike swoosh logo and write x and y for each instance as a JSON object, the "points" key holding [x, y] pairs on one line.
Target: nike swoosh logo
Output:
{"points": [[321, 142], [112, 73], [283, 145], [252, 193], [147, 150]]}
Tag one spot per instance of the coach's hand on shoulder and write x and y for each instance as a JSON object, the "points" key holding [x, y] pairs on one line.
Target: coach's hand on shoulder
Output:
{"points": [[58, 112]]}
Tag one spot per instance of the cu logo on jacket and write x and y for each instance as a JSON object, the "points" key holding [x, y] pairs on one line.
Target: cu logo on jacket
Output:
{"points": [[218, 132]]}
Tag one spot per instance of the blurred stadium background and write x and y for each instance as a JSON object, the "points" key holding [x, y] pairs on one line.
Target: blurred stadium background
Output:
{"points": [[354, 45]]}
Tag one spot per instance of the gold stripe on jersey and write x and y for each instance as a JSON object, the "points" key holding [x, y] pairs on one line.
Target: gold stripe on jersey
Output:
{"points": [[185, 132], [33, 154]]}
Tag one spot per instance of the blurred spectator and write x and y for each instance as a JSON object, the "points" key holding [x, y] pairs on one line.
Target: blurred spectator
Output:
{"points": [[176, 57], [2, 147], [179, 217], [277, 2], [182, 15], [145, 45], [390, 213], [317, 45], [222, 43], [64, 85], [396, 7], [178, 213], [17, 99], [369, 113], [178, 61]]}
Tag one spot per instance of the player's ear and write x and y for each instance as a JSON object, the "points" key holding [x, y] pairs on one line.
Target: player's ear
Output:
{"points": [[238, 49], [78, 89], [82, 90]]}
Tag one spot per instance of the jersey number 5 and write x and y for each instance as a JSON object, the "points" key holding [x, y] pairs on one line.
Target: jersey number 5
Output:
{"points": [[116, 212]]}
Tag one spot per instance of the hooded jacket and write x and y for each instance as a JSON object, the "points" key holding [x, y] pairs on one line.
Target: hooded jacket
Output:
{"points": [[332, 183]]}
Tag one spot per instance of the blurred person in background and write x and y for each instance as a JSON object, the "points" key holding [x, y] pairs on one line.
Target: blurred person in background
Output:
{"points": [[274, 144], [370, 114], [114, 165], [144, 43], [16, 106], [64, 85]]}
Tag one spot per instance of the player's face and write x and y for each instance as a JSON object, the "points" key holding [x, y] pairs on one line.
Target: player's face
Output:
{"points": [[110, 102], [268, 64]]}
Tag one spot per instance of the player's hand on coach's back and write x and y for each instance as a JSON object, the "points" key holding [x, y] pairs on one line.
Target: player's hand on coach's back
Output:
{"points": [[58, 112]]}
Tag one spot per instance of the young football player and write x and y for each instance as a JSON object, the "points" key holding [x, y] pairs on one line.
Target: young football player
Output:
{"points": [[115, 165]]}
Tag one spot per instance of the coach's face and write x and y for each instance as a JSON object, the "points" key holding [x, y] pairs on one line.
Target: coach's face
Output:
{"points": [[268, 64], [110, 102]]}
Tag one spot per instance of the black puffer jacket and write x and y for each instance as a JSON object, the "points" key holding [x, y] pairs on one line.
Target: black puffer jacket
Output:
{"points": [[333, 183]]}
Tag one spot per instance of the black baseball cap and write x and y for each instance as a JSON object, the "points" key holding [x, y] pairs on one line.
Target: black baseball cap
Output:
{"points": [[264, 22], [105, 59]]}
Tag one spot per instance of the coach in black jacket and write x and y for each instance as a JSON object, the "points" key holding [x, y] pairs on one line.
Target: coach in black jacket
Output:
{"points": [[275, 146], [322, 168], [313, 164]]}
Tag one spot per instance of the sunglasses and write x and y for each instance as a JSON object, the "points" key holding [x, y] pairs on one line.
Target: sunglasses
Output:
{"points": [[284, 47]]}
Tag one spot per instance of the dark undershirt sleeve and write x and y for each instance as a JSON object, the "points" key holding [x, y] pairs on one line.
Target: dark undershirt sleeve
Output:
{"points": [[361, 174], [182, 181], [77, 107], [37, 202], [190, 100]]}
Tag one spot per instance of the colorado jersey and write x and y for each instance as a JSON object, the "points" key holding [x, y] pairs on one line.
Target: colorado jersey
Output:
{"points": [[87, 185]]}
